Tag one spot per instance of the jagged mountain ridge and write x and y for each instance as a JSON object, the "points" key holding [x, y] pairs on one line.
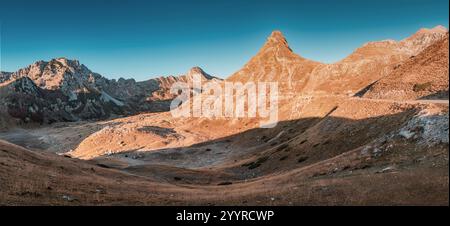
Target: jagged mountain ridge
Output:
{"points": [[333, 147], [5, 76], [325, 138], [65, 90], [421, 76], [277, 62], [78, 93]]}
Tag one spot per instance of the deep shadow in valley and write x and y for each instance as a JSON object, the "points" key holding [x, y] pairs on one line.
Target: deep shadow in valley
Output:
{"points": [[309, 161], [258, 152]]}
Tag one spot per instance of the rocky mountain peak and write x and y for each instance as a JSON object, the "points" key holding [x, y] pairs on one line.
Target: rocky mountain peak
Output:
{"points": [[198, 71], [277, 40], [437, 29], [276, 61], [277, 36], [407, 47]]}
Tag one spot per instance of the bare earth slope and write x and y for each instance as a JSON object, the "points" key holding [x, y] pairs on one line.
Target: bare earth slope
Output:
{"points": [[422, 76]]}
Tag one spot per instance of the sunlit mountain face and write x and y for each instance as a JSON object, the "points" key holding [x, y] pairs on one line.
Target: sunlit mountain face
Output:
{"points": [[266, 118]]}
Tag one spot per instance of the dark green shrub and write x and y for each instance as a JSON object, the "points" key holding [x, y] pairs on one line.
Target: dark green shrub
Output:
{"points": [[421, 87]]}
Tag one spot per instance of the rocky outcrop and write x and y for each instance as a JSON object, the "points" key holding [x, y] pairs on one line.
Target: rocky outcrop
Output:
{"points": [[276, 61]]}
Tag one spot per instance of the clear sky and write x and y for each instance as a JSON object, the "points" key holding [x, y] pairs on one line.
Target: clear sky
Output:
{"points": [[145, 39]]}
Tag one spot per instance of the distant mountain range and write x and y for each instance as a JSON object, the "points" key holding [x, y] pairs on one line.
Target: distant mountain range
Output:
{"points": [[65, 90]]}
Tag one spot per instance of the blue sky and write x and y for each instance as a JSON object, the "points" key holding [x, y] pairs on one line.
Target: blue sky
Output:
{"points": [[145, 39]]}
